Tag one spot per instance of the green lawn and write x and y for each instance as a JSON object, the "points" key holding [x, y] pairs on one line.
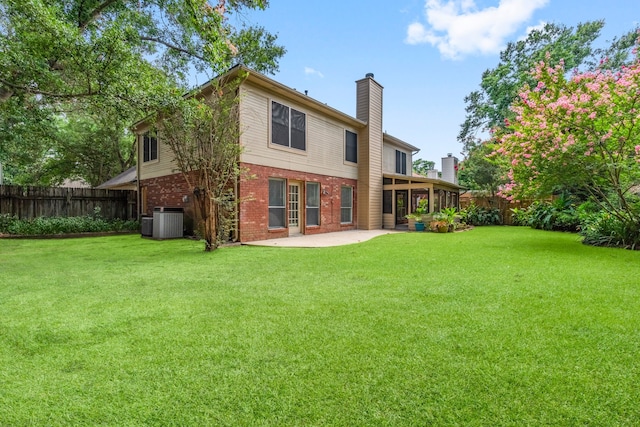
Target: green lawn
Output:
{"points": [[495, 326]]}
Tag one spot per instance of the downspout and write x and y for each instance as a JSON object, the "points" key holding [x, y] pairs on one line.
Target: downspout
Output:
{"points": [[236, 189], [139, 191]]}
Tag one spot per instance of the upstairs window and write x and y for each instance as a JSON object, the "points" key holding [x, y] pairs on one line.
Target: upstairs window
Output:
{"points": [[351, 147], [401, 163], [288, 127], [149, 147]]}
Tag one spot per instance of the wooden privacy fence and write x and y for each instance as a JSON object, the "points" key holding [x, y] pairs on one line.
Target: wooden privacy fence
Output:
{"points": [[502, 204], [34, 202]]}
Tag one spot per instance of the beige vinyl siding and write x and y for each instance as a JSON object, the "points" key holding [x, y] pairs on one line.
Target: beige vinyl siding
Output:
{"points": [[389, 159], [389, 221], [324, 152], [369, 109], [163, 166]]}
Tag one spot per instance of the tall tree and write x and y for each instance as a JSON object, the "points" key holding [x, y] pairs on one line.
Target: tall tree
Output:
{"points": [[479, 172], [203, 134], [488, 107], [113, 56], [582, 131], [422, 166], [94, 147]]}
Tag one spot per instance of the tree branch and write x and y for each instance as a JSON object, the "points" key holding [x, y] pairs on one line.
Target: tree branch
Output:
{"points": [[5, 94], [98, 10], [27, 89], [172, 46]]}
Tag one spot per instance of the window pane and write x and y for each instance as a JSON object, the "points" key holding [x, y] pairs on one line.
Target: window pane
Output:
{"points": [[276, 217], [146, 148], [298, 127], [313, 203], [387, 201], [313, 194], [351, 148], [398, 162], [154, 148], [346, 204], [149, 147], [279, 124], [346, 197], [345, 215], [313, 216], [276, 192], [404, 163], [277, 209]]}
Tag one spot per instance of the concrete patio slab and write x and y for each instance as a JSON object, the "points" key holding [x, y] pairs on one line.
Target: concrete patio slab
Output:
{"points": [[323, 240]]}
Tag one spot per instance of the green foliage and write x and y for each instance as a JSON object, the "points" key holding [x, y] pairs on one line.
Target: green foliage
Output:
{"points": [[74, 74], [577, 132], [446, 217], [478, 171], [519, 216], [604, 229], [488, 107], [421, 209], [480, 215], [423, 167], [597, 226], [560, 215], [58, 225], [203, 136], [95, 147]]}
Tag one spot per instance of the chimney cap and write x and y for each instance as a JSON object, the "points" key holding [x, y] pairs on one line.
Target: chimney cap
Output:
{"points": [[369, 75]]}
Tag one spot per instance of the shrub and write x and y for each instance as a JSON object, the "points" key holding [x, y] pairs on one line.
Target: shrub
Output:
{"points": [[58, 225], [604, 229], [519, 216], [560, 215], [6, 221], [476, 215]]}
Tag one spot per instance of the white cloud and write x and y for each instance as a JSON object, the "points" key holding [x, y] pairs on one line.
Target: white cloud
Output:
{"points": [[458, 28], [530, 29], [311, 72]]}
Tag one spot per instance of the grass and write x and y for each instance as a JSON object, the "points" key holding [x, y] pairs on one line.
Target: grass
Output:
{"points": [[495, 326]]}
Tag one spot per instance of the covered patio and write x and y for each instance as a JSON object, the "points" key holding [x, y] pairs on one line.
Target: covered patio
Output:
{"points": [[402, 194]]}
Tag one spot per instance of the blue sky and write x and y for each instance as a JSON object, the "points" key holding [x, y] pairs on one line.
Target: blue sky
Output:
{"points": [[428, 54]]}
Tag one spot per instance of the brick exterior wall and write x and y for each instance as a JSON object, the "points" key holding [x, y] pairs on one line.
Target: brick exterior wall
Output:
{"points": [[254, 208], [170, 190], [166, 190]]}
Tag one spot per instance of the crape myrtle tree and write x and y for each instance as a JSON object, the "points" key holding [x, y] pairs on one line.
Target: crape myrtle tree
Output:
{"points": [[203, 134], [489, 107], [580, 131], [112, 57]]}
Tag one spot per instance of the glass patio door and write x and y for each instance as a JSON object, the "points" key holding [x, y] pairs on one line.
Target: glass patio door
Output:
{"points": [[294, 208]]}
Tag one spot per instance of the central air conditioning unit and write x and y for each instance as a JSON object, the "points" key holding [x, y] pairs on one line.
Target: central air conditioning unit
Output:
{"points": [[167, 222], [146, 225]]}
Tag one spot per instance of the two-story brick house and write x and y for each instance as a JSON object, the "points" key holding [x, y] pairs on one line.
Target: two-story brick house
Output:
{"points": [[315, 169]]}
